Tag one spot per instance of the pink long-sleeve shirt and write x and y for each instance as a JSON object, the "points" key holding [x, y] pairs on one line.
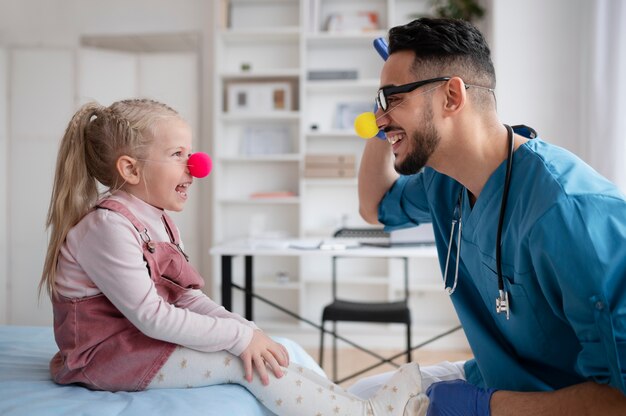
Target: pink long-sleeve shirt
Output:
{"points": [[103, 254]]}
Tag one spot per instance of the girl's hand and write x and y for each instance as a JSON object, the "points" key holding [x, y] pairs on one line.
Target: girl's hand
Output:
{"points": [[261, 353]]}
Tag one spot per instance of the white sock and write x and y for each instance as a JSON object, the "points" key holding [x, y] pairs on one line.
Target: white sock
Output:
{"points": [[402, 394]]}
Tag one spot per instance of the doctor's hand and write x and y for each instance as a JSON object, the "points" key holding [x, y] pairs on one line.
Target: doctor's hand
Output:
{"points": [[263, 353], [458, 398]]}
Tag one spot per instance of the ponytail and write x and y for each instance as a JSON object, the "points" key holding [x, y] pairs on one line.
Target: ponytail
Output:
{"points": [[74, 192]]}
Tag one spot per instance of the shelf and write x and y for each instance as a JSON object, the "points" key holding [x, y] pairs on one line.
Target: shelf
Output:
{"points": [[260, 74], [261, 201], [254, 2], [342, 38], [330, 181], [291, 157], [331, 134], [275, 34], [346, 84], [261, 116]]}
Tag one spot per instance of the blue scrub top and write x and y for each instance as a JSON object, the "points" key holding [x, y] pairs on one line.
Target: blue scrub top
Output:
{"points": [[563, 263]]}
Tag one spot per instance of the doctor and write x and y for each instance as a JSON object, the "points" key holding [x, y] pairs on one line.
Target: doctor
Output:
{"points": [[531, 240]]}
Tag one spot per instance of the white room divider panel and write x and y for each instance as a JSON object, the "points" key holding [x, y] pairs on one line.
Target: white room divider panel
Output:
{"points": [[41, 102], [106, 76], [3, 186]]}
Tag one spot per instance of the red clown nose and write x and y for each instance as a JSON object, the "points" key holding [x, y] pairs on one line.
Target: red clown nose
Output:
{"points": [[199, 165]]}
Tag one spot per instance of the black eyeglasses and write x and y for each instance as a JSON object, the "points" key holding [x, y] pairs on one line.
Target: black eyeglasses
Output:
{"points": [[384, 93]]}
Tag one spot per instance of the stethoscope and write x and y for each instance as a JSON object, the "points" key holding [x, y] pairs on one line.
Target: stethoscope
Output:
{"points": [[502, 301]]}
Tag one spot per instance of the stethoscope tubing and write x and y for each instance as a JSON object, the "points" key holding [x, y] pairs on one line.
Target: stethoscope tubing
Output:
{"points": [[502, 302], [505, 197]]}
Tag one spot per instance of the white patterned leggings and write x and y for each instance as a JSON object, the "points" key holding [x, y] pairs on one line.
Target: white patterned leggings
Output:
{"points": [[299, 391]]}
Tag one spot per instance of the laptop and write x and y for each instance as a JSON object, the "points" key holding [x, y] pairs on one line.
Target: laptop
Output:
{"points": [[377, 237]]}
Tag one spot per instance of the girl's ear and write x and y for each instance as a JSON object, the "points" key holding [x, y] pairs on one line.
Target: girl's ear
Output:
{"points": [[128, 169]]}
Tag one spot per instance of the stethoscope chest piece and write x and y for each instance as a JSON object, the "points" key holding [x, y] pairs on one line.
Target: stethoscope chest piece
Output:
{"points": [[502, 304]]}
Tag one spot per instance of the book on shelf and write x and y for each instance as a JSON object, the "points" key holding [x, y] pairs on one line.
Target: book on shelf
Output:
{"points": [[272, 194], [330, 166], [330, 159], [329, 172]]}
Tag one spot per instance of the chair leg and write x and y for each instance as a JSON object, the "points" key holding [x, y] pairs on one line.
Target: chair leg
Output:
{"points": [[321, 360], [335, 378], [408, 343]]}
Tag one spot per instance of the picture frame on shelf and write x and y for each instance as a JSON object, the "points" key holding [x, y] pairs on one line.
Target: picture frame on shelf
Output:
{"points": [[265, 139], [357, 21], [346, 113], [247, 97]]}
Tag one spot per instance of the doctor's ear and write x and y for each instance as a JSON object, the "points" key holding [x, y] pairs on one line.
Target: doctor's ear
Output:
{"points": [[456, 95], [128, 169]]}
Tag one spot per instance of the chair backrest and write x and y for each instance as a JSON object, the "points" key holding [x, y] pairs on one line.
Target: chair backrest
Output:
{"points": [[406, 277]]}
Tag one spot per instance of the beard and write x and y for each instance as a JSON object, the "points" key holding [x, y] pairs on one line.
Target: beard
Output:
{"points": [[424, 144]]}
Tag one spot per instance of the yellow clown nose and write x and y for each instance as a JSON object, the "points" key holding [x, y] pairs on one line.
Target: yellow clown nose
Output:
{"points": [[365, 125]]}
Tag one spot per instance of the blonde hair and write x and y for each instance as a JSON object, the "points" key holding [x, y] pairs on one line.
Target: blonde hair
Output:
{"points": [[94, 140]]}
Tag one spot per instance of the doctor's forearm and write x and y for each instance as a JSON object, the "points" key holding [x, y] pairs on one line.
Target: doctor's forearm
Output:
{"points": [[376, 175], [581, 399]]}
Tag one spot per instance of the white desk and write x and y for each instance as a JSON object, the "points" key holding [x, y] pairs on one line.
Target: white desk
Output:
{"points": [[251, 248]]}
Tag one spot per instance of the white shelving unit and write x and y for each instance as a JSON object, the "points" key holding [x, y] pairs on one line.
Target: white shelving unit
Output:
{"points": [[277, 42]]}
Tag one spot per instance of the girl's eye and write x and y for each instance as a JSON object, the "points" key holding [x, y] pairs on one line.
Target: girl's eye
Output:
{"points": [[178, 154]]}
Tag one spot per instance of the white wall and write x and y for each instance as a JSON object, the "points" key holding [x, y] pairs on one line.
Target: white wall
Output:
{"points": [[538, 49], [4, 143], [59, 22], [41, 103]]}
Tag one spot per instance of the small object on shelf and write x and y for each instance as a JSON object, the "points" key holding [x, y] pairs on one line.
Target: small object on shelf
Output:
{"points": [[246, 66], [363, 20], [332, 74], [282, 277], [272, 194], [314, 127]]}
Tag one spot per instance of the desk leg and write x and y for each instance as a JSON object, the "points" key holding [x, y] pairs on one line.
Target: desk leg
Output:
{"points": [[227, 280], [249, 288]]}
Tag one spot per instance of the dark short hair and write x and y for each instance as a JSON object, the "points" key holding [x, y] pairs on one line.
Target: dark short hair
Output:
{"points": [[446, 47]]}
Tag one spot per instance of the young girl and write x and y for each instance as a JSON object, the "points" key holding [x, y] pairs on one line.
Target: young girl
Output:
{"points": [[128, 310]]}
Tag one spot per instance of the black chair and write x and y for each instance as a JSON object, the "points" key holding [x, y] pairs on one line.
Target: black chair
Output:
{"points": [[375, 312]]}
